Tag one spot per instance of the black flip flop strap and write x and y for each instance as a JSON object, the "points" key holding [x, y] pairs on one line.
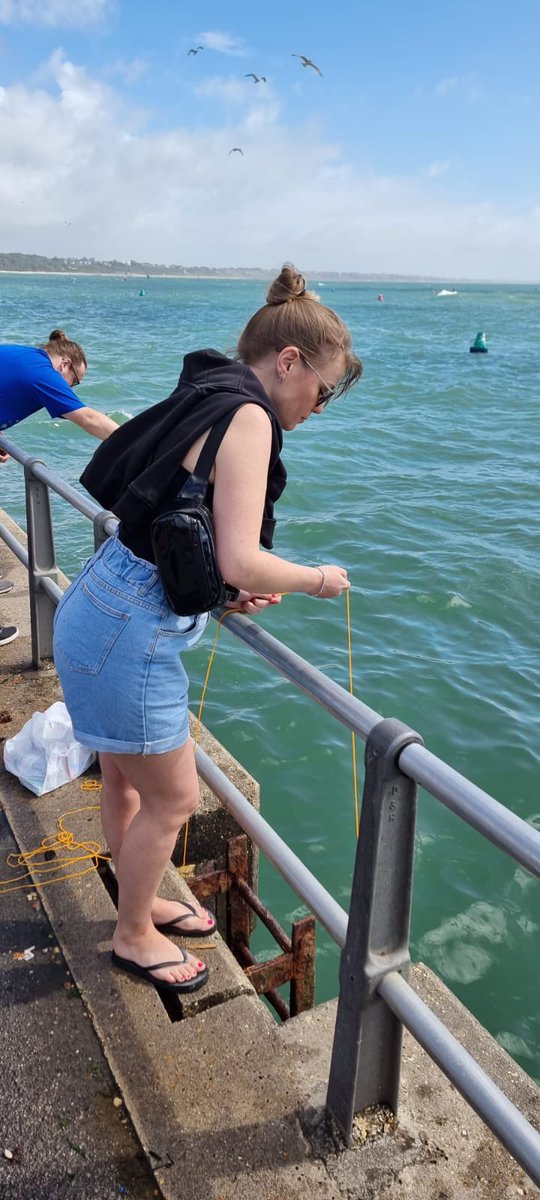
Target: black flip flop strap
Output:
{"points": [[157, 966], [185, 916]]}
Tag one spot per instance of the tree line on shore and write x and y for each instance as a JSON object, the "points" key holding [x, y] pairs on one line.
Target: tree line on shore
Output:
{"points": [[116, 266], [113, 266]]}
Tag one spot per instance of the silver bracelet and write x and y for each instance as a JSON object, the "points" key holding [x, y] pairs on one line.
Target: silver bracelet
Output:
{"points": [[323, 581]]}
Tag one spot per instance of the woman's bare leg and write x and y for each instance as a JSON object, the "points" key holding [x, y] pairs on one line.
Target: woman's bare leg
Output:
{"points": [[120, 802], [168, 789]]}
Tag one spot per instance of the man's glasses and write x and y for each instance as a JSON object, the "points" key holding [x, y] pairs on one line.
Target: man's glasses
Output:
{"points": [[77, 380], [326, 392]]}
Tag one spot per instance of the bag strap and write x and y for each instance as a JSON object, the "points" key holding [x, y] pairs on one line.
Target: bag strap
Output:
{"points": [[196, 484], [211, 446]]}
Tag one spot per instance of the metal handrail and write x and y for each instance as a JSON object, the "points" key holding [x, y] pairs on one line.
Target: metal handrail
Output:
{"points": [[507, 1122], [480, 810], [374, 952]]}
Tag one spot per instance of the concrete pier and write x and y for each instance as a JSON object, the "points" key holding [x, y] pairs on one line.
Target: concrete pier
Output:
{"points": [[207, 1098]]}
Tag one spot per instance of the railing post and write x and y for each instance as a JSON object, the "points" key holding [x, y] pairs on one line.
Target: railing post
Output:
{"points": [[366, 1054], [100, 533], [41, 562]]}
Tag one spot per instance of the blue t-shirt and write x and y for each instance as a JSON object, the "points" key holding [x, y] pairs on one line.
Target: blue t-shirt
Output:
{"points": [[28, 382]]}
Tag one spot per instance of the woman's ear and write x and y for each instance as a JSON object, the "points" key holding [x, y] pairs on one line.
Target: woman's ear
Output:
{"points": [[286, 359]]}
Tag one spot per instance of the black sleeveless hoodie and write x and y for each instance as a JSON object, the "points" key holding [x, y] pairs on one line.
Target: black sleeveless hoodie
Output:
{"points": [[137, 469]]}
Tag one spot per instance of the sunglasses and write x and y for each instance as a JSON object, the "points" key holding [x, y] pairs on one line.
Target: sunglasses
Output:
{"points": [[326, 392], [77, 380]]}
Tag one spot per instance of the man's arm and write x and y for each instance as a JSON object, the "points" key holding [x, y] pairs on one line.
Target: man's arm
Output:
{"points": [[92, 421]]}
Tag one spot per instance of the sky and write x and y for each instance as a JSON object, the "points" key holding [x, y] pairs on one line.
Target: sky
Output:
{"points": [[412, 150]]}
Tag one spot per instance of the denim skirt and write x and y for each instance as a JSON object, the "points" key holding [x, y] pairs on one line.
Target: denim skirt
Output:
{"points": [[117, 648]]}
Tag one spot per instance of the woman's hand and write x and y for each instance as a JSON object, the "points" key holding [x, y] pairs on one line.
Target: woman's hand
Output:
{"points": [[252, 605], [332, 582]]}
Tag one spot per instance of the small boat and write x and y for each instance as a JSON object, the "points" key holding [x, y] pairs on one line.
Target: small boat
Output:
{"points": [[447, 293]]}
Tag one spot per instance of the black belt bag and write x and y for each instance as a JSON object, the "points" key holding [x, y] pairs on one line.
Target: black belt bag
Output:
{"points": [[183, 540]]}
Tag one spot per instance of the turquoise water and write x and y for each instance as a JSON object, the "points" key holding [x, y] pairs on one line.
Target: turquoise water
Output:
{"points": [[424, 483]]}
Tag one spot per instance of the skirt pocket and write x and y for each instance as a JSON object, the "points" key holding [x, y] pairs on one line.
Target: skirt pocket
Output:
{"points": [[86, 629]]}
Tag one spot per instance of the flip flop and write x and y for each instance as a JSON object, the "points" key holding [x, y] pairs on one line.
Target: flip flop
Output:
{"points": [[187, 985], [172, 926]]}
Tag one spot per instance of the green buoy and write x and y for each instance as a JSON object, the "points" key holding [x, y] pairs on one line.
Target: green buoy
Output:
{"points": [[479, 345], [142, 292]]}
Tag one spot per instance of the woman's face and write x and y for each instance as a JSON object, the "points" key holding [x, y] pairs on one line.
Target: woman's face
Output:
{"points": [[304, 386]]}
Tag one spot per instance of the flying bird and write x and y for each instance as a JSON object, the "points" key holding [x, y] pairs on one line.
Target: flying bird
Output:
{"points": [[236, 150], [306, 62], [195, 50], [256, 78]]}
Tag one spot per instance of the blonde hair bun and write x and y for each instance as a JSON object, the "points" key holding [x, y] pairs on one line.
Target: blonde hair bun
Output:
{"points": [[288, 286], [59, 343], [294, 317]]}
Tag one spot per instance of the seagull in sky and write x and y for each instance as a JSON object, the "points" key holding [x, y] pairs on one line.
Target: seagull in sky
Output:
{"points": [[256, 78], [306, 62], [236, 150], [195, 50]]}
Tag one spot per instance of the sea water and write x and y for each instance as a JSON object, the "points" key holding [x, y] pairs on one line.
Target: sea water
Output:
{"points": [[423, 482]]}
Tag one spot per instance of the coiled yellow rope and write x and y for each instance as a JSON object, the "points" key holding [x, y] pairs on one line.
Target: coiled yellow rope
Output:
{"points": [[53, 860]]}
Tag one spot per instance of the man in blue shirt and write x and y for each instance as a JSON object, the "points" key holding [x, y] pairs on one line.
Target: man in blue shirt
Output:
{"points": [[44, 377]]}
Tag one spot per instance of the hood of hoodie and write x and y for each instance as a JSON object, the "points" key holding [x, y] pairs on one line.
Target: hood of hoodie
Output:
{"points": [[209, 371]]}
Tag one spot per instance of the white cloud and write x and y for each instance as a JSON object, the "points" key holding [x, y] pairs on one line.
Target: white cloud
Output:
{"points": [[224, 43], [108, 187], [74, 14], [83, 102]]}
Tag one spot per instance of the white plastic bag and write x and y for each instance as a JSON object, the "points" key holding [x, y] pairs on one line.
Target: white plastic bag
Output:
{"points": [[44, 753]]}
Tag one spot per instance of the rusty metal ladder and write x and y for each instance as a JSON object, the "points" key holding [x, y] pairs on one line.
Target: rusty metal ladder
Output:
{"points": [[296, 963]]}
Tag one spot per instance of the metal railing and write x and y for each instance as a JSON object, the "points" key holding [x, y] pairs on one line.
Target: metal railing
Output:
{"points": [[375, 999]]}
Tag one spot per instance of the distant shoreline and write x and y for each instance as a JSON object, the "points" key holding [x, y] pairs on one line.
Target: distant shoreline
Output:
{"points": [[267, 278], [134, 275], [249, 276], [338, 278]]}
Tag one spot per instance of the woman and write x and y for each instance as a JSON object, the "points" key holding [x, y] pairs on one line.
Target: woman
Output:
{"points": [[117, 643]]}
